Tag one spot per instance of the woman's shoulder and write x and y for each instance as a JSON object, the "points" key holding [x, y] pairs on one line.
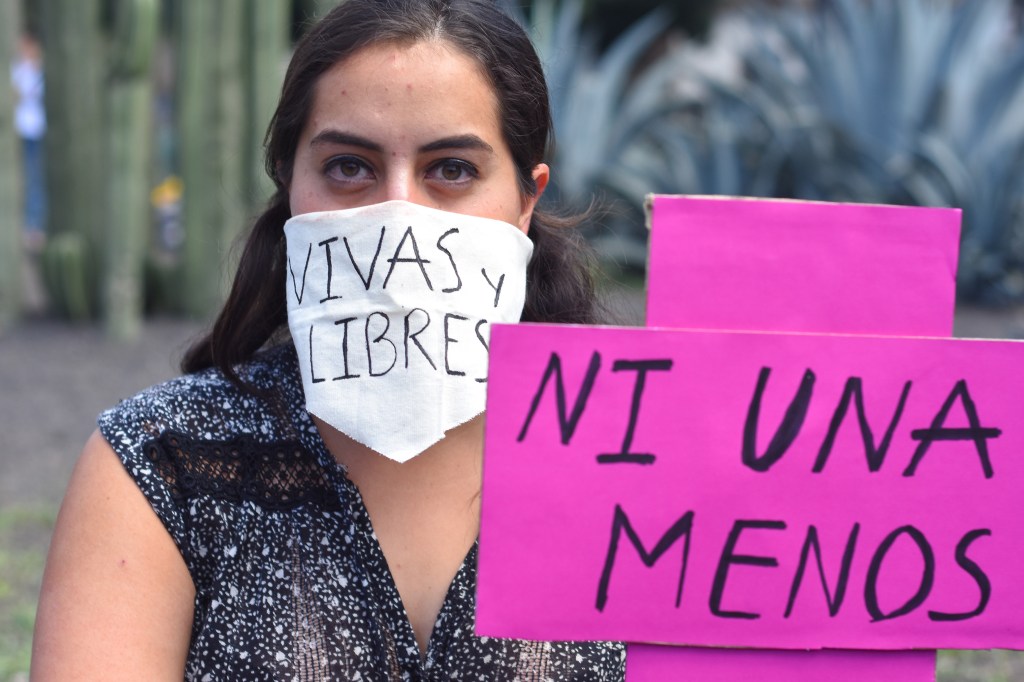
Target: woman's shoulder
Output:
{"points": [[197, 435], [209, 405]]}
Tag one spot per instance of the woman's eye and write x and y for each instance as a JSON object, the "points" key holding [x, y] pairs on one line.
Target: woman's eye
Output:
{"points": [[347, 168], [454, 170]]}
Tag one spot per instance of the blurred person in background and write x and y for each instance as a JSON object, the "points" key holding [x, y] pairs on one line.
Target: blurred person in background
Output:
{"points": [[30, 124]]}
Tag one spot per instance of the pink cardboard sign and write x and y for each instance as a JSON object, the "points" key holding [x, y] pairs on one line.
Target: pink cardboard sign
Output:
{"points": [[662, 663], [683, 233], [751, 490], [774, 265]]}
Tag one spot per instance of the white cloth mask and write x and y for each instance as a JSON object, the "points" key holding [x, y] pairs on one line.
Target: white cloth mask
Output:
{"points": [[389, 307]]}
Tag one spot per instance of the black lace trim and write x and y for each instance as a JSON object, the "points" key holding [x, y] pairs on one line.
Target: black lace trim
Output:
{"points": [[276, 476]]}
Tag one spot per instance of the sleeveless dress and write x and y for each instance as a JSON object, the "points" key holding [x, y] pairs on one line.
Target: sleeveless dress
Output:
{"points": [[290, 581]]}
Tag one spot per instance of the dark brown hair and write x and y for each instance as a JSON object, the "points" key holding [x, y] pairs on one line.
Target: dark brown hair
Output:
{"points": [[559, 285]]}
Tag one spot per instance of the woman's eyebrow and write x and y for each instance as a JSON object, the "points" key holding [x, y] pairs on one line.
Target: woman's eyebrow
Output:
{"points": [[331, 136], [458, 142]]}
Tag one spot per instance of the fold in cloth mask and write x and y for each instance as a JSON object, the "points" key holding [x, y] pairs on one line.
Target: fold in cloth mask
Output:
{"points": [[389, 308]]}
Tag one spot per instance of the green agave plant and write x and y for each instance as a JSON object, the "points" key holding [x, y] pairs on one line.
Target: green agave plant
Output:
{"points": [[605, 103], [915, 102]]}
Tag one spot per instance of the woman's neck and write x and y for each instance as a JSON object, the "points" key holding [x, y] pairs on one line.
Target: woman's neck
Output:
{"points": [[425, 512]]}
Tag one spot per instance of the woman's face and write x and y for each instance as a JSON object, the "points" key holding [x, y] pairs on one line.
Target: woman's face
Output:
{"points": [[415, 122]]}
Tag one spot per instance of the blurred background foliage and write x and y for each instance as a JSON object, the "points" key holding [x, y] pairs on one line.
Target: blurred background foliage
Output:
{"points": [[157, 110], [914, 102]]}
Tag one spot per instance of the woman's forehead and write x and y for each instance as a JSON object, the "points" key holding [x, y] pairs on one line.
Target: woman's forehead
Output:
{"points": [[425, 84], [440, 53]]}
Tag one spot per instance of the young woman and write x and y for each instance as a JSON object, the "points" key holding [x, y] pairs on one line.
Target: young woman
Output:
{"points": [[216, 529]]}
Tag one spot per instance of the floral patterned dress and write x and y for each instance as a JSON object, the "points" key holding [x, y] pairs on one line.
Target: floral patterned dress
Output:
{"points": [[290, 581]]}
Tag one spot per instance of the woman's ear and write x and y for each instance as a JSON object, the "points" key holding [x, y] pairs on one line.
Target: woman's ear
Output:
{"points": [[541, 175]]}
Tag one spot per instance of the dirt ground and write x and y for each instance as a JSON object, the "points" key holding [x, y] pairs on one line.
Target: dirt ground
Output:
{"points": [[55, 379]]}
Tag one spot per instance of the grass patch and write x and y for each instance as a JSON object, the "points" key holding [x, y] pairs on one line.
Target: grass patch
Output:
{"points": [[980, 666], [24, 538]]}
